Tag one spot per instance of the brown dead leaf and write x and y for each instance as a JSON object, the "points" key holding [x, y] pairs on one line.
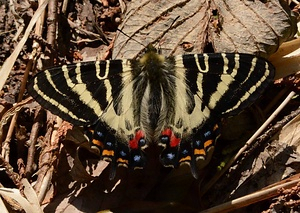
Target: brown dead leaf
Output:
{"points": [[290, 134], [255, 27]]}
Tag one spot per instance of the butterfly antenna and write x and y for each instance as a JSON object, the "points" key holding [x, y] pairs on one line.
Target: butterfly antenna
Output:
{"points": [[173, 22], [130, 37], [171, 25]]}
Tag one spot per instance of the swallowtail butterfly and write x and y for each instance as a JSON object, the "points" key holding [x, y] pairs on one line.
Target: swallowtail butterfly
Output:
{"points": [[173, 102]]}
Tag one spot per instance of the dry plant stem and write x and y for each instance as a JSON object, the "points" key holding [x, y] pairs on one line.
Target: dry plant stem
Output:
{"points": [[48, 159], [45, 155], [48, 155], [275, 128], [91, 35], [51, 21], [10, 113], [14, 119], [255, 197], [14, 205], [248, 143], [2, 205], [45, 184], [296, 2], [40, 22], [64, 6], [39, 114], [51, 30]]}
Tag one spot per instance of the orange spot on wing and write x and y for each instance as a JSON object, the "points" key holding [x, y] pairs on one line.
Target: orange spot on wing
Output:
{"points": [[97, 143], [187, 158], [106, 152], [122, 161], [208, 143], [199, 152]]}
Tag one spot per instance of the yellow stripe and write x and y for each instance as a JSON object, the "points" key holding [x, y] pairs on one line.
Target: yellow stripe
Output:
{"points": [[80, 88], [254, 87], [205, 59], [52, 101], [226, 80]]}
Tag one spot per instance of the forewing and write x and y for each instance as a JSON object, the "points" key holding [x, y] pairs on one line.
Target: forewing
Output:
{"points": [[224, 84], [78, 93]]}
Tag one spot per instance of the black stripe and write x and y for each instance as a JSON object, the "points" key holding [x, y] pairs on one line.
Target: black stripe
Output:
{"points": [[95, 86], [191, 75], [102, 66], [115, 79], [212, 79], [68, 98], [237, 89]]}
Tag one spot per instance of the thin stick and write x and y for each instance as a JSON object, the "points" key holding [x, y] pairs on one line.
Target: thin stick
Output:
{"points": [[247, 200]]}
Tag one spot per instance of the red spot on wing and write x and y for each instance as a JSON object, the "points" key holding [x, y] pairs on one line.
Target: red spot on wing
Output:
{"points": [[174, 141], [134, 143]]}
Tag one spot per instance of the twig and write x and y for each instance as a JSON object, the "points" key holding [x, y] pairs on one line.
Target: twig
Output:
{"points": [[91, 35], [39, 114], [64, 6], [247, 200], [51, 31]]}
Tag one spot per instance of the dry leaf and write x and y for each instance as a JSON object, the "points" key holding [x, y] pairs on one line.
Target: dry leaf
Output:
{"points": [[256, 27]]}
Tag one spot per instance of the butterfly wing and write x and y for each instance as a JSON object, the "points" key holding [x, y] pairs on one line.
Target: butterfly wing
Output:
{"points": [[94, 93], [174, 101], [214, 86], [80, 92]]}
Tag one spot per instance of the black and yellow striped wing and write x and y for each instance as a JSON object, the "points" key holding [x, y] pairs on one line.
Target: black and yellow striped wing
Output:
{"points": [[174, 102], [209, 87], [79, 93]]}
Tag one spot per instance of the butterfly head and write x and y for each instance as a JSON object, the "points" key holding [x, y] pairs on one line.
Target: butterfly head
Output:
{"points": [[151, 56]]}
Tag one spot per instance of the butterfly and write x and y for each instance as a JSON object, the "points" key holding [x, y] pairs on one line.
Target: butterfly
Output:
{"points": [[173, 102]]}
